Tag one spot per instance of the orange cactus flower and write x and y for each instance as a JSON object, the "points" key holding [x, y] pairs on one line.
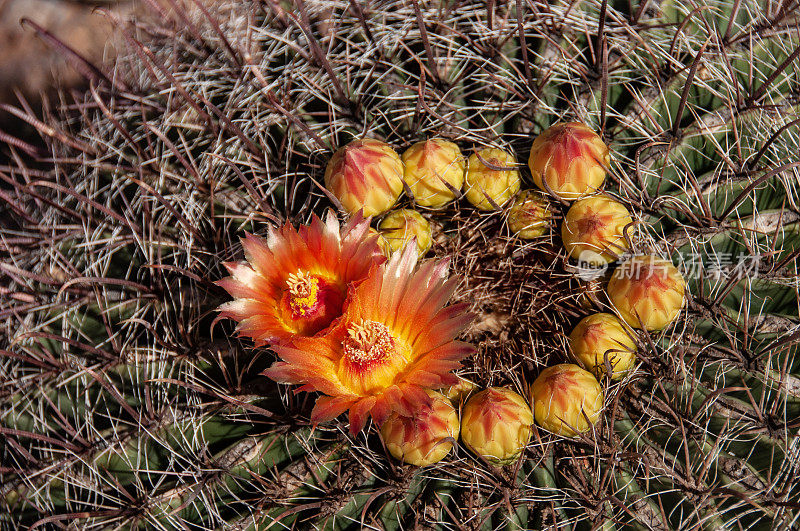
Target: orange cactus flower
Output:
{"points": [[295, 282], [395, 340]]}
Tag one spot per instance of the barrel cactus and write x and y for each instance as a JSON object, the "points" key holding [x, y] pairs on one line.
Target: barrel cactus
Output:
{"points": [[127, 401]]}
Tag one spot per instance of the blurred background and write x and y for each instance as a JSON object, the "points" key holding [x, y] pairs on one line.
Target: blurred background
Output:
{"points": [[31, 69], [30, 65]]}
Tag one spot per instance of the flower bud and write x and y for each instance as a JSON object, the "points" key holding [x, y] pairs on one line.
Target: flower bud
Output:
{"points": [[434, 170], [602, 337], [488, 187], [647, 292], [400, 226], [567, 400], [594, 230], [569, 160], [456, 393], [496, 425], [383, 245], [425, 438], [365, 175], [530, 215]]}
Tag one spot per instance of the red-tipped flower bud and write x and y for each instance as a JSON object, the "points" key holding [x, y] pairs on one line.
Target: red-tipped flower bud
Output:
{"points": [[567, 400], [594, 230], [496, 424], [425, 438], [365, 175], [649, 290], [602, 338], [569, 160]]}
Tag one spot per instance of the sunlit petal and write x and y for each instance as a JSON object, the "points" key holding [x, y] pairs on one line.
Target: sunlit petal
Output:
{"points": [[295, 281], [395, 340]]}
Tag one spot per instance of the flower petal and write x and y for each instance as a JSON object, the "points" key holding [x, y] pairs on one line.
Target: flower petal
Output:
{"points": [[330, 407], [359, 413]]}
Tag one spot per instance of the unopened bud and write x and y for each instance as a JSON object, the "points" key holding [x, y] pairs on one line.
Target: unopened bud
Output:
{"points": [[400, 226], [496, 425], [569, 160], [647, 292], [365, 175], [492, 178], [599, 341], [425, 438], [567, 400], [530, 215], [595, 227], [434, 171]]}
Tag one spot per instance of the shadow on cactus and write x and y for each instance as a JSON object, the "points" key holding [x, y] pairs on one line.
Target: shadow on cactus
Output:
{"points": [[120, 408]]}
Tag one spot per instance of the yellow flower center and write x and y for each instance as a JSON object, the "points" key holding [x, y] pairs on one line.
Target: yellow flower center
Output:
{"points": [[303, 292], [372, 357], [310, 303]]}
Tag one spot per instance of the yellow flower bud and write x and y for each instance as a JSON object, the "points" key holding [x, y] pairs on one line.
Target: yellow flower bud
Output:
{"points": [[365, 175], [530, 215], [594, 230], [599, 337], [564, 397], [433, 170], [383, 245], [496, 424], [649, 289], [425, 438], [496, 183], [569, 160], [400, 226], [456, 393]]}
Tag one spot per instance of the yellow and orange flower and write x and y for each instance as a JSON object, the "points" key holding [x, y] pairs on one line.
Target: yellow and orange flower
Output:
{"points": [[395, 340], [295, 282]]}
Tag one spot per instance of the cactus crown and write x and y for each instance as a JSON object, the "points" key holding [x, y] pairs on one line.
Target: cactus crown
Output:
{"points": [[120, 408]]}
